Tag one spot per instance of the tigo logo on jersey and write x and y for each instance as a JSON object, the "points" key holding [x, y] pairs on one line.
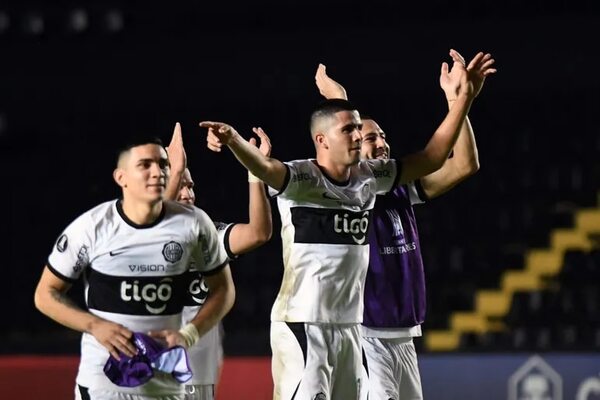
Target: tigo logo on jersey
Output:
{"points": [[357, 227], [148, 293], [172, 252], [330, 226], [198, 291]]}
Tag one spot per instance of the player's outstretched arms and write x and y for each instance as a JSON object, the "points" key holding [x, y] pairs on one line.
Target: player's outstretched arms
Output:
{"points": [[269, 170], [177, 163], [258, 230], [468, 85], [329, 88], [52, 300]]}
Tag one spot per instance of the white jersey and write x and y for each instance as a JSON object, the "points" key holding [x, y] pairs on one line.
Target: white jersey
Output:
{"points": [[324, 239], [206, 355], [134, 275]]}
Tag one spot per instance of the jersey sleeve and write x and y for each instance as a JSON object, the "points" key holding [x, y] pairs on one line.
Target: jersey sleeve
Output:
{"points": [[209, 255], [386, 174], [70, 255], [300, 175], [416, 193], [224, 230]]}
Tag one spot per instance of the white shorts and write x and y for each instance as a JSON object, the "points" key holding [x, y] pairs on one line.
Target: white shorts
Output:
{"points": [[315, 361], [200, 392], [82, 393], [392, 369]]}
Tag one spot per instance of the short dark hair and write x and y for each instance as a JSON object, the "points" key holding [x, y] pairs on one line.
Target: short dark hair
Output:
{"points": [[135, 141], [329, 107]]}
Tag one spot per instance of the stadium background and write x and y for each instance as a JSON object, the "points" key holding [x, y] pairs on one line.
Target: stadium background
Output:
{"points": [[511, 254]]}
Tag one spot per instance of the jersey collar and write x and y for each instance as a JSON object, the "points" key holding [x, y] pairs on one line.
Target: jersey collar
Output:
{"points": [[140, 226]]}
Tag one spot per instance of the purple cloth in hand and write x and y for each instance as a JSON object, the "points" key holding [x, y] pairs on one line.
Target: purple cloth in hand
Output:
{"points": [[139, 369]]}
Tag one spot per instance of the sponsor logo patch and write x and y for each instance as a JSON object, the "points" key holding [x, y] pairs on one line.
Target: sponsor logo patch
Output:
{"points": [[330, 226], [198, 291], [150, 294], [83, 259], [302, 176], [355, 226]]}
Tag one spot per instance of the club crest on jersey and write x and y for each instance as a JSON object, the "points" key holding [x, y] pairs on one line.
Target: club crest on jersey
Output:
{"points": [[172, 252], [62, 243]]}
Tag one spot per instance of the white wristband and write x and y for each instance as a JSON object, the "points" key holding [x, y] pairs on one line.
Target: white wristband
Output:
{"points": [[253, 178], [190, 334]]}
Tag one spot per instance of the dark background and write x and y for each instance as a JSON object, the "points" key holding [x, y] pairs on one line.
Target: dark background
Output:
{"points": [[70, 89]]}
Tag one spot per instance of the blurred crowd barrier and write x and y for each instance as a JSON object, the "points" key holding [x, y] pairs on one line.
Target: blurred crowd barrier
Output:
{"points": [[548, 376]]}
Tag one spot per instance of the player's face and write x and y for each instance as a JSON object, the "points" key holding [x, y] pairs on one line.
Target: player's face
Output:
{"points": [[186, 194], [373, 141], [343, 138], [144, 172]]}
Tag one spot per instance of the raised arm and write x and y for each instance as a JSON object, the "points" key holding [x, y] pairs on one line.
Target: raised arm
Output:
{"points": [[52, 300], [469, 82], [177, 162], [465, 160], [463, 163], [258, 230], [269, 170]]}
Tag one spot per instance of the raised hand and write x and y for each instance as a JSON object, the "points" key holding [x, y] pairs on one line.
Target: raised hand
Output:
{"points": [[469, 78], [175, 151], [479, 68], [219, 134], [329, 88], [265, 141], [114, 337]]}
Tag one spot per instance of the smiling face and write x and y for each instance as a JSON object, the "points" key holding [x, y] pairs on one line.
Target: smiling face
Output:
{"points": [[373, 141], [142, 173], [340, 138]]}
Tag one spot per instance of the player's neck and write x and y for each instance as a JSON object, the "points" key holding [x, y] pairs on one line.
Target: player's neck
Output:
{"points": [[337, 172], [141, 213]]}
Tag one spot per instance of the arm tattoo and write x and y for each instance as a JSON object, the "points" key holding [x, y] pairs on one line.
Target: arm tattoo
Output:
{"points": [[64, 299]]}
